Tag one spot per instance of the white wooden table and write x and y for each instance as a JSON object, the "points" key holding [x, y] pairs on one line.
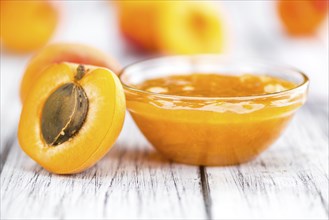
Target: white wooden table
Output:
{"points": [[290, 180]]}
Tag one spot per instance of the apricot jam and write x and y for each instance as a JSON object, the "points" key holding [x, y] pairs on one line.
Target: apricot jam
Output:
{"points": [[215, 85], [209, 117]]}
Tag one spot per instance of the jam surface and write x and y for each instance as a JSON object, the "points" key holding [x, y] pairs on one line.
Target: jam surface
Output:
{"points": [[215, 85]]}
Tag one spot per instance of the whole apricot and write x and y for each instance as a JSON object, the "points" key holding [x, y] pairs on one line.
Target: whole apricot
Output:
{"points": [[63, 52], [27, 25], [302, 17], [71, 117]]}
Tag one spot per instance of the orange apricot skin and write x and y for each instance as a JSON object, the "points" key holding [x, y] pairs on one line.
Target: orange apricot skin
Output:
{"points": [[302, 17], [27, 25], [102, 125], [63, 52], [137, 22]]}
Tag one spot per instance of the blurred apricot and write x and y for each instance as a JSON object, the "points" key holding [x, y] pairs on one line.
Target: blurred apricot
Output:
{"points": [[27, 25], [63, 52], [302, 17], [174, 27]]}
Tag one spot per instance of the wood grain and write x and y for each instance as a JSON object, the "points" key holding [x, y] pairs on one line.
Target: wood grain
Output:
{"points": [[132, 181], [288, 181]]}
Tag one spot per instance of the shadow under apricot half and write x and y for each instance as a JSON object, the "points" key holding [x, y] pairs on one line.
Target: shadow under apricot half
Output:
{"points": [[63, 52], [71, 117]]}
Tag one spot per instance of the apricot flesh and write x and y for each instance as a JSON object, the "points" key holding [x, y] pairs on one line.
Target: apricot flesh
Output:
{"points": [[27, 25], [101, 127], [63, 52], [302, 17]]}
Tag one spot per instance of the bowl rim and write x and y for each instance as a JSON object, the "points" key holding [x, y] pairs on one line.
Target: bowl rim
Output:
{"points": [[301, 86]]}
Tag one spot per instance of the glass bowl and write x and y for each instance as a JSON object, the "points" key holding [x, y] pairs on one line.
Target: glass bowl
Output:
{"points": [[212, 131]]}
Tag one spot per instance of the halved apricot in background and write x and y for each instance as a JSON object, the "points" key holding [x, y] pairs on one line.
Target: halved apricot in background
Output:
{"points": [[64, 52], [71, 117], [173, 27], [200, 28]]}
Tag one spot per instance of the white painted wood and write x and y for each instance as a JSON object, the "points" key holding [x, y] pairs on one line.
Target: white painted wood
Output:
{"points": [[132, 181]]}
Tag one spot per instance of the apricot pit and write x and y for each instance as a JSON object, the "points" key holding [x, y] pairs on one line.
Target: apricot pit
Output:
{"points": [[64, 113]]}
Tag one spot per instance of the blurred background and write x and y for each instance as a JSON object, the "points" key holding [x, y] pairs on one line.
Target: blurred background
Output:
{"points": [[287, 32]]}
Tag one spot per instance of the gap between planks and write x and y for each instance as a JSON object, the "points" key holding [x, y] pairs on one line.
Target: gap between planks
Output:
{"points": [[206, 192]]}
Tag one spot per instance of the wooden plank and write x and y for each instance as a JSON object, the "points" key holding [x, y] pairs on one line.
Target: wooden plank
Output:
{"points": [[288, 181], [11, 69], [132, 181]]}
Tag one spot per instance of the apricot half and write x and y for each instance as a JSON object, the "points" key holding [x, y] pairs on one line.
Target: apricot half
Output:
{"points": [[172, 27], [71, 117], [27, 25], [63, 52]]}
